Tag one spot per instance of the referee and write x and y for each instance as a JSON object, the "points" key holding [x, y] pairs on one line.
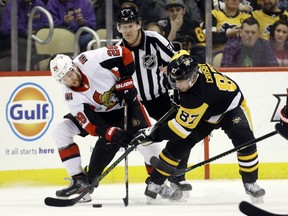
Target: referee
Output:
{"points": [[151, 51]]}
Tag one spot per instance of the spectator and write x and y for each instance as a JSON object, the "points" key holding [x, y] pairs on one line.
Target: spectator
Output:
{"points": [[248, 50], [74, 15], [226, 24], [191, 8], [249, 5], [99, 10], [278, 40], [268, 14], [180, 28], [155, 27], [246, 6], [283, 4], [39, 21]]}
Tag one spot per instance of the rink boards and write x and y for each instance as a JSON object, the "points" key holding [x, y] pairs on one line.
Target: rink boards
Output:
{"points": [[32, 101]]}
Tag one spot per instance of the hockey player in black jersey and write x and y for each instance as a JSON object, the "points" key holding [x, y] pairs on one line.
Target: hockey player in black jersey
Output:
{"points": [[209, 100]]}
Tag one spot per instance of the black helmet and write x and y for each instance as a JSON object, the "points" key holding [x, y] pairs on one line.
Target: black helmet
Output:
{"points": [[181, 67], [128, 14]]}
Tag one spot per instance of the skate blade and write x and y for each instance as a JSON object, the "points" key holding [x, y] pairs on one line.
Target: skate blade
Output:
{"points": [[258, 200], [186, 194], [85, 199], [150, 201], [160, 201]]}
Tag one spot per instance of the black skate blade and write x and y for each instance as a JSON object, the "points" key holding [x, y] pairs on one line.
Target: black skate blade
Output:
{"points": [[282, 130], [161, 165], [251, 210]]}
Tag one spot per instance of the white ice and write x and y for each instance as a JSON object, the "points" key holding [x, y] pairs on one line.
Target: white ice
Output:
{"points": [[208, 198]]}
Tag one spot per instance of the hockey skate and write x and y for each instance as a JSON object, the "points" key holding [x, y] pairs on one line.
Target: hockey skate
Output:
{"points": [[77, 185], [182, 184], [255, 192], [166, 192]]}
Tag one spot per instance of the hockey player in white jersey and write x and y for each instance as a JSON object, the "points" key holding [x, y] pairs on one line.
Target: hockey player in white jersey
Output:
{"points": [[95, 84]]}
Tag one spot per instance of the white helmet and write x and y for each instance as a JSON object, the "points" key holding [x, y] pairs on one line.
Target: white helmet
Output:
{"points": [[60, 65]]}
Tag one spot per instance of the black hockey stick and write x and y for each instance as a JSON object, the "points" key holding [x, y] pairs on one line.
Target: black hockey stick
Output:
{"points": [[126, 198], [51, 201], [159, 164], [251, 210]]}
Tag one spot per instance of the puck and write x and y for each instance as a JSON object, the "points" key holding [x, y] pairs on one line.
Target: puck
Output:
{"points": [[97, 205]]}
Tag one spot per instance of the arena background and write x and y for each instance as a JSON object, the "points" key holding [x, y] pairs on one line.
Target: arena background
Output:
{"points": [[31, 101]]}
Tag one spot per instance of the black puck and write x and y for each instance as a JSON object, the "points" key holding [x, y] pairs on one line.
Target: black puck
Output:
{"points": [[97, 205]]}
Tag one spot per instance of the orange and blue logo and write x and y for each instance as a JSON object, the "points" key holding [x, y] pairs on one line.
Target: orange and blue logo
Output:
{"points": [[29, 111]]}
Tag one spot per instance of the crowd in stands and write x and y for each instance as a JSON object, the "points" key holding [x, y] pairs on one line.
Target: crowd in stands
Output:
{"points": [[180, 21]]}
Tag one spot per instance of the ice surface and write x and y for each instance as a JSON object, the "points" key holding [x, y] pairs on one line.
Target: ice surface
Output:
{"points": [[208, 198]]}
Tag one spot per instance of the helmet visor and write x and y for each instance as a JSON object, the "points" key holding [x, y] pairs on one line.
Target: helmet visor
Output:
{"points": [[183, 84]]}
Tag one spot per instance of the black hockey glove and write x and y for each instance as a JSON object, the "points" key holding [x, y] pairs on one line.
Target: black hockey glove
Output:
{"points": [[125, 91], [118, 136], [145, 137]]}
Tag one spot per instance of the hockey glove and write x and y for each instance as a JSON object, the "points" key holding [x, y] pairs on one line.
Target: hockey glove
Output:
{"points": [[118, 136], [282, 127], [125, 91], [284, 117], [145, 137]]}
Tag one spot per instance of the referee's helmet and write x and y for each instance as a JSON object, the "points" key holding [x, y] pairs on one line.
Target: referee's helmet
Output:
{"points": [[127, 15]]}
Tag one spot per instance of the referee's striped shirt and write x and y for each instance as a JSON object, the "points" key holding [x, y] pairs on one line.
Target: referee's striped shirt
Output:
{"points": [[153, 51]]}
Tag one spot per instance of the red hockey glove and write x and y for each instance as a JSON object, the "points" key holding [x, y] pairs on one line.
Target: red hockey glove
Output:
{"points": [[282, 127], [125, 91], [284, 117], [118, 136]]}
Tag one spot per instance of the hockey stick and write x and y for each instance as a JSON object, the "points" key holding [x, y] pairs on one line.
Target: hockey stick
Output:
{"points": [[126, 198], [51, 201], [159, 164], [251, 210]]}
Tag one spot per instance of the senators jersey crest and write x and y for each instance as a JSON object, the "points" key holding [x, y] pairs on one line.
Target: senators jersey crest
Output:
{"points": [[107, 99]]}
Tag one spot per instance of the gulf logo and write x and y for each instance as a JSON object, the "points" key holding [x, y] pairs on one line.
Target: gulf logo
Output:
{"points": [[29, 111]]}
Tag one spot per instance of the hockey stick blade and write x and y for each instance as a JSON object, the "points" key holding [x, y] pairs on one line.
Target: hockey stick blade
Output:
{"points": [[57, 202], [251, 210], [157, 163], [282, 130]]}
